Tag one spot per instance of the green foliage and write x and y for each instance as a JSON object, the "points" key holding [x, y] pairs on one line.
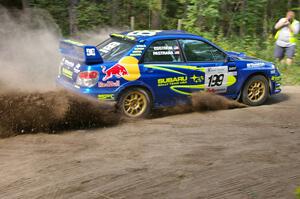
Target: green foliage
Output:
{"points": [[58, 9], [235, 25], [90, 15], [297, 193]]}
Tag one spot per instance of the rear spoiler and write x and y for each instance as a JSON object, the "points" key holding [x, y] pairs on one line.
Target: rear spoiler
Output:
{"points": [[83, 53]]}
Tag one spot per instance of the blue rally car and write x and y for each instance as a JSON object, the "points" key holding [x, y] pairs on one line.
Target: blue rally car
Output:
{"points": [[142, 70]]}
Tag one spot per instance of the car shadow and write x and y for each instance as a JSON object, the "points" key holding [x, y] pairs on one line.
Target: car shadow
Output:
{"points": [[212, 106], [276, 99], [176, 110]]}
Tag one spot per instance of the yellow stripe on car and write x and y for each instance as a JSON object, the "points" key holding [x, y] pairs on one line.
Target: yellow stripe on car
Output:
{"points": [[182, 67], [231, 80], [164, 69], [176, 87]]}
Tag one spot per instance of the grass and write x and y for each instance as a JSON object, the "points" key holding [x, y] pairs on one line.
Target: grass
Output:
{"points": [[290, 75], [297, 192]]}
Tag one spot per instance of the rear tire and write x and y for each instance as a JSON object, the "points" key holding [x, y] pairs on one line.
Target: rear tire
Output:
{"points": [[135, 103], [255, 91]]}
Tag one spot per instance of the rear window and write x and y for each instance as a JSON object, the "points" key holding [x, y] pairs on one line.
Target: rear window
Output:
{"points": [[114, 49]]}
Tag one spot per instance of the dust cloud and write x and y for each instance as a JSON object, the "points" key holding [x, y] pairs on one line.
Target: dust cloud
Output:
{"points": [[201, 102], [96, 36], [28, 50], [29, 59], [52, 111], [204, 101], [29, 55]]}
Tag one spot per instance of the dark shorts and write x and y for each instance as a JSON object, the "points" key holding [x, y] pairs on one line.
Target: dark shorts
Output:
{"points": [[289, 52]]}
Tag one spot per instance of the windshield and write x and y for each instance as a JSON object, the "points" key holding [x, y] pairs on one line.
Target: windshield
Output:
{"points": [[114, 49]]}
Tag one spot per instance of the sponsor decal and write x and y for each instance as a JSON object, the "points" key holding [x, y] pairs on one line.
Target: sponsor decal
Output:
{"points": [[197, 79], [166, 50], [172, 81], [276, 78], [67, 73], [211, 90], [216, 79], [234, 73], [116, 70], [127, 68], [162, 48], [232, 68], [138, 50], [166, 53], [76, 68], [90, 52], [109, 47], [68, 63], [141, 46], [272, 71], [255, 65], [106, 96], [143, 33], [109, 84]]}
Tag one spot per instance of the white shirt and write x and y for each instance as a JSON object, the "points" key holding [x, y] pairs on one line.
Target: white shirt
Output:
{"points": [[284, 34]]}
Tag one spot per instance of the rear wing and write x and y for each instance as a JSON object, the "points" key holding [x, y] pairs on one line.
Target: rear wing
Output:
{"points": [[83, 53]]}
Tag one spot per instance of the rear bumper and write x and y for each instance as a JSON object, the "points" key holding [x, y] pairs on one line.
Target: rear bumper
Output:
{"points": [[101, 94]]}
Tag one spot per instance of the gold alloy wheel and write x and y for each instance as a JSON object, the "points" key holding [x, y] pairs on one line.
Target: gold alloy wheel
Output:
{"points": [[256, 90], [135, 104]]}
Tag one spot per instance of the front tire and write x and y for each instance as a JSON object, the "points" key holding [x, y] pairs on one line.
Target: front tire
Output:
{"points": [[255, 91], [135, 103]]}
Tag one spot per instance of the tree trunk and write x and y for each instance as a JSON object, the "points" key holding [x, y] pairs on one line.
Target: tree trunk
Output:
{"points": [[156, 11], [114, 9], [72, 17], [289, 4], [25, 4], [265, 24], [243, 10]]}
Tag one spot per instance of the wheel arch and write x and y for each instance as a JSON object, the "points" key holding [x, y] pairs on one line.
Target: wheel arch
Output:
{"points": [[139, 85], [252, 75]]}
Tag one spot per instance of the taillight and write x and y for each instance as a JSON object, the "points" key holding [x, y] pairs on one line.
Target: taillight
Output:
{"points": [[88, 74], [87, 78]]}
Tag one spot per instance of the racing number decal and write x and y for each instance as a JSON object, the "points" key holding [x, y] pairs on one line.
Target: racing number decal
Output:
{"points": [[216, 79]]}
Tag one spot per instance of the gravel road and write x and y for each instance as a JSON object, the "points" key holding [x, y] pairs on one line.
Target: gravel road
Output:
{"points": [[252, 152]]}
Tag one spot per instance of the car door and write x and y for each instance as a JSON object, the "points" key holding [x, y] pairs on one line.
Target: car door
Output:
{"points": [[164, 68], [212, 74]]}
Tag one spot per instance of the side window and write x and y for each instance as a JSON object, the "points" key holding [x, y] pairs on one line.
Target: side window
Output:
{"points": [[163, 51], [199, 51]]}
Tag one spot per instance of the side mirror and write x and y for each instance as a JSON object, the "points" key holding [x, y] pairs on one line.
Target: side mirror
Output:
{"points": [[229, 59]]}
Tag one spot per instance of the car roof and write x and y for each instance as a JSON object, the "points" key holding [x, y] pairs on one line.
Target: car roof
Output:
{"points": [[154, 34]]}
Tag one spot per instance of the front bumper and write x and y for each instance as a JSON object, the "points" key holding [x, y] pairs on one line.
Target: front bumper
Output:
{"points": [[275, 84]]}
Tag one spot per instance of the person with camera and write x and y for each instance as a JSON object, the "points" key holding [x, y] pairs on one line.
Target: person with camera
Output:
{"points": [[287, 28]]}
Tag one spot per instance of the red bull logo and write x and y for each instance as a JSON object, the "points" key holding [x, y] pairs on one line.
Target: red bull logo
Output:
{"points": [[116, 70], [127, 68]]}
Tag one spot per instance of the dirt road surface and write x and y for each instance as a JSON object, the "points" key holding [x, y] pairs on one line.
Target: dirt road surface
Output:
{"points": [[236, 154]]}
